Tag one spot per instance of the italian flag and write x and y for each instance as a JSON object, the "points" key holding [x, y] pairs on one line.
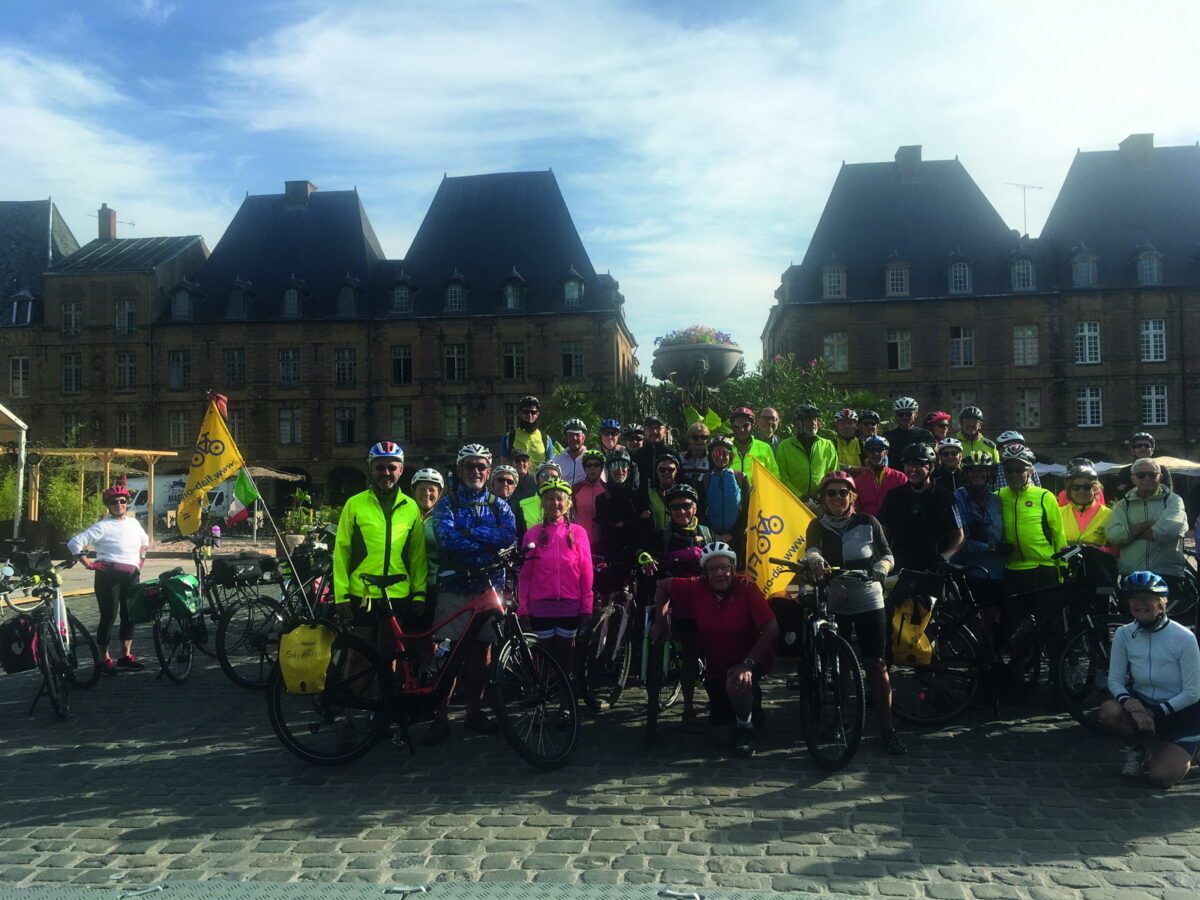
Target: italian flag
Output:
{"points": [[244, 496]]}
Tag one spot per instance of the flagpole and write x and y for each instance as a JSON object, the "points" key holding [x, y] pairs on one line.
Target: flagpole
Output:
{"points": [[282, 544]]}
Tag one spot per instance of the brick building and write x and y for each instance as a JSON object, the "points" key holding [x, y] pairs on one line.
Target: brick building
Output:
{"points": [[913, 285], [322, 344]]}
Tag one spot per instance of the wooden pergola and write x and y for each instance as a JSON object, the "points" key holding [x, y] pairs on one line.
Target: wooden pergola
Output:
{"points": [[105, 455]]}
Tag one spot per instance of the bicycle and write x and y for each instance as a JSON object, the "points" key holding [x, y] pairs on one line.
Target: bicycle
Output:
{"points": [[249, 631], [369, 689], [828, 678], [65, 652], [940, 690], [606, 659]]}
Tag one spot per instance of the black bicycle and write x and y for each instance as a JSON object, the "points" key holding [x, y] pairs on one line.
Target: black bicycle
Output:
{"points": [[828, 680]]}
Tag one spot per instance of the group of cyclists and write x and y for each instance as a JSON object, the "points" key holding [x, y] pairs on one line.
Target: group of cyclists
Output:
{"points": [[633, 509]]}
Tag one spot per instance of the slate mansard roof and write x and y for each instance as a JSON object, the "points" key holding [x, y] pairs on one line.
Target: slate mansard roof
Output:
{"points": [[478, 231], [33, 238], [1117, 203]]}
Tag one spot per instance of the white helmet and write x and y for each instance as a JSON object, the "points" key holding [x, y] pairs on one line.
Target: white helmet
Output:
{"points": [[905, 403], [1010, 436], [944, 443], [717, 548], [504, 470], [475, 451], [429, 476]]}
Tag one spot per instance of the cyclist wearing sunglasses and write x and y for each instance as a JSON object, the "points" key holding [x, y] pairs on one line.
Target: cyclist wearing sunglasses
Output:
{"points": [[904, 411], [922, 525], [586, 494], [1148, 525], [1119, 482], [120, 544], [854, 542]]}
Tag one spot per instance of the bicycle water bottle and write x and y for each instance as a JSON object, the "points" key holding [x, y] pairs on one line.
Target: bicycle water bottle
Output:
{"points": [[216, 535]]}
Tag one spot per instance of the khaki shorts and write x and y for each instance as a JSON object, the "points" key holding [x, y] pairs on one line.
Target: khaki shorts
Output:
{"points": [[450, 602]]}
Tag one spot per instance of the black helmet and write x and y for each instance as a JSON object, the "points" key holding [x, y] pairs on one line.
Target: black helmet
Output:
{"points": [[971, 412], [1143, 436], [918, 452], [805, 411], [529, 403], [869, 415], [681, 491], [618, 455]]}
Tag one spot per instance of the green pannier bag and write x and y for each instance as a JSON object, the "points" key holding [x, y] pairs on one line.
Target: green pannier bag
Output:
{"points": [[145, 600], [183, 593]]}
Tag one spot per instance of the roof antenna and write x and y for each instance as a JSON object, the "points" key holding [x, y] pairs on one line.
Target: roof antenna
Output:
{"points": [[1025, 189]]}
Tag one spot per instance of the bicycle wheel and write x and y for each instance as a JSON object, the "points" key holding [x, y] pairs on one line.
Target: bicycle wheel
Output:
{"points": [[535, 704], [83, 659], [247, 643], [204, 626], [654, 683], [173, 645], [832, 704], [343, 721], [53, 667], [672, 685], [947, 686], [1082, 669], [606, 664]]}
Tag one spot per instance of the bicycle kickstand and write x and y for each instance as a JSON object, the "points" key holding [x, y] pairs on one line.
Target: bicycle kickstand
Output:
{"points": [[40, 694]]}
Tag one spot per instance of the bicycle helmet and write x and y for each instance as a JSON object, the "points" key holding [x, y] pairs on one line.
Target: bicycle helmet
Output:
{"points": [[1018, 453], [905, 403], [806, 411], [529, 403], [720, 440], [474, 451], [1080, 468], [977, 459], [547, 466], [653, 419], [385, 450], [869, 415], [428, 476], [1143, 436], [936, 417], [635, 432], [620, 455], [595, 454], [843, 415], [117, 490], [876, 442], [1008, 437], [742, 412], [681, 491], [554, 484], [670, 457], [504, 470], [971, 412], [611, 425], [843, 477], [717, 549], [949, 444], [918, 452], [1144, 583], [574, 425]]}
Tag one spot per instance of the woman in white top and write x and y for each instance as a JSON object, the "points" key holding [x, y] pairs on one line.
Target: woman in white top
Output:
{"points": [[120, 544]]}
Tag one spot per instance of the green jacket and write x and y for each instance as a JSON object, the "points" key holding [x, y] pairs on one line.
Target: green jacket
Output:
{"points": [[370, 542], [982, 444], [802, 471], [1033, 525], [759, 450]]}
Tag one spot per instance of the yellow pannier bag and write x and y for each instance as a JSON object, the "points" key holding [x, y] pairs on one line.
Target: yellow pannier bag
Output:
{"points": [[910, 644], [304, 654]]}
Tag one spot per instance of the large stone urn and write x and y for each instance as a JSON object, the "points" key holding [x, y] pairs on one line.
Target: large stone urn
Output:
{"points": [[688, 365]]}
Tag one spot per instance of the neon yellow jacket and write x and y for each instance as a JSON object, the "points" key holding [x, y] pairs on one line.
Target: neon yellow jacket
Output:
{"points": [[1033, 525], [759, 450], [970, 445], [370, 542], [802, 472]]}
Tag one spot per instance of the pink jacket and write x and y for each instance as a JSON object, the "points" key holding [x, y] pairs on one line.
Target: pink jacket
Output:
{"points": [[556, 579], [871, 490]]}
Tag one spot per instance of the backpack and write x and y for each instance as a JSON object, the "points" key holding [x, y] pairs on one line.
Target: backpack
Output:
{"points": [[18, 644]]}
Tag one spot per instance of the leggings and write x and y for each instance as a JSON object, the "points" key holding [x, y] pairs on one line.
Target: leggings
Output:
{"points": [[112, 593]]}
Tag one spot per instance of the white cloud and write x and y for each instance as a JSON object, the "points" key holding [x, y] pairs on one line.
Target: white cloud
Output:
{"points": [[156, 12]]}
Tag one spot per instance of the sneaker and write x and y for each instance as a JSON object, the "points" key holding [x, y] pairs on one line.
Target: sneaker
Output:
{"points": [[1135, 763], [130, 662], [743, 741], [108, 667], [893, 745]]}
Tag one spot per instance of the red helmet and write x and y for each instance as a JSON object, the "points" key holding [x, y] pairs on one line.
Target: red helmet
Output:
{"points": [[937, 418], [742, 411], [117, 490]]}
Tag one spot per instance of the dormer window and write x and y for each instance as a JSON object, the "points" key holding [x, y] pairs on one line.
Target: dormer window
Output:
{"points": [[833, 282], [290, 308], [22, 309], [514, 290], [1084, 271], [572, 288], [895, 279], [960, 277], [1149, 267], [181, 305], [401, 298], [455, 297], [1023, 275], [346, 305], [236, 307]]}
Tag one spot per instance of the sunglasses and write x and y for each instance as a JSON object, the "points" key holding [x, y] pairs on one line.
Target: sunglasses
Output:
{"points": [[503, 481], [1145, 474], [837, 492], [667, 471], [476, 467], [116, 500], [698, 437], [680, 507], [530, 412], [950, 453], [618, 464], [905, 413], [1080, 487]]}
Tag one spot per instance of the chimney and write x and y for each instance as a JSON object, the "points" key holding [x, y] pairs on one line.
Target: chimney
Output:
{"points": [[108, 223], [298, 192], [1137, 148], [908, 162]]}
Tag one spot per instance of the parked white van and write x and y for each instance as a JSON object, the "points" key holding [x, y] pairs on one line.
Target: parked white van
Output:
{"points": [[168, 491]]}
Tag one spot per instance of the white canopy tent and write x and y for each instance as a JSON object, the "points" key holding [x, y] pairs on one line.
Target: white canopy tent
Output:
{"points": [[13, 433]]}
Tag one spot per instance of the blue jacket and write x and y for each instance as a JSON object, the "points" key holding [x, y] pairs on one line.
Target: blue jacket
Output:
{"points": [[471, 528], [722, 499], [980, 521]]}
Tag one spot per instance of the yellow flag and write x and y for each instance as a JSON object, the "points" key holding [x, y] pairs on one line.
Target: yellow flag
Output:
{"points": [[777, 523], [214, 459]]}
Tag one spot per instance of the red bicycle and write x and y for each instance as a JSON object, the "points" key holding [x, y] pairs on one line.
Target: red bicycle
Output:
{"points": [[370, 692]]}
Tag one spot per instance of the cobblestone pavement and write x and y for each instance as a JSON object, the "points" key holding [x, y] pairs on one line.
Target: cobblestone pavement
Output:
{"points": [[149, 781]]}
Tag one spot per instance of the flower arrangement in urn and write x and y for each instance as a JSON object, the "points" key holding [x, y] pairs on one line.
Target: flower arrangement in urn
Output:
{"points": [[694, 334], [695, 358]]}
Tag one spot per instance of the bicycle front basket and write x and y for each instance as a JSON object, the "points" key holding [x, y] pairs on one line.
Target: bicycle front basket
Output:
{"points": [[183, 593], [31, 562]]}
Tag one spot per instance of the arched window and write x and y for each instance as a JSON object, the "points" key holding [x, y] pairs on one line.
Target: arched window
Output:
{"points": [[1149, 267], [346, 305], [291, 304], [236, 307], [455, 301], [1083, 270], [181, 305], [960, 278], [896, 279]]}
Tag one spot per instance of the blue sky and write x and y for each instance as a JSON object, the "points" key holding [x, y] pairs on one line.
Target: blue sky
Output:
{"points": [[695, 142]]}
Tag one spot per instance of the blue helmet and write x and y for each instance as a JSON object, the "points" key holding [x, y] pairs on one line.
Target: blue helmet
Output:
{"points": [[385, 450], [1144, 583], [610, 425], [876, 442]]}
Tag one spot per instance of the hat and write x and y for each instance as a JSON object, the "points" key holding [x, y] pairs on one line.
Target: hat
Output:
{"points": [[519, 451], [653, 419]]}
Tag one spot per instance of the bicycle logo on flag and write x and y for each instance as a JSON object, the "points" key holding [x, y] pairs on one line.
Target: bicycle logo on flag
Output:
{"points": [[764, 528], [206, 446]]}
